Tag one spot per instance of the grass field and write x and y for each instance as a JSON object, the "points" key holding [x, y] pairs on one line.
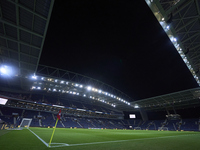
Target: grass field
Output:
{"points": [[94, 139]]}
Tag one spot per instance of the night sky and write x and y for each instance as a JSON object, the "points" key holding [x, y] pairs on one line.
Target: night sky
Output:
{"points": [[117, 42]]}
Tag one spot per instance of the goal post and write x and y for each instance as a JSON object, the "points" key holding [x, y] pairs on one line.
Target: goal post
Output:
{"points": [[162, 128], [137, 128], [25, 122]]}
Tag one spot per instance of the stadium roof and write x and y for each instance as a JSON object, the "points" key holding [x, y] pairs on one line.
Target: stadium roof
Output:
{"points": [[180, 20], [177, 100], [23, 27]]}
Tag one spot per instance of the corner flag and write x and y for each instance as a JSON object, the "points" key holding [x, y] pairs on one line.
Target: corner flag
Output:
{"points": [[59, 115], [58, 118]]}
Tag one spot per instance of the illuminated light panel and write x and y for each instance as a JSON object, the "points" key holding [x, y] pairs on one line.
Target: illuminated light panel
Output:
{"points": [[34, 77], [3, 70], [89, 88], [136, 106]]}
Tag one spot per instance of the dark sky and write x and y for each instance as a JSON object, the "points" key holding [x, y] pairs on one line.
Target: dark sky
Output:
{"points": [[117, 42]]}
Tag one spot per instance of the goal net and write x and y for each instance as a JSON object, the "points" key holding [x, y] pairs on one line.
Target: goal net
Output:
{"points": [[25, 122], [162, 129], [137, 128]]}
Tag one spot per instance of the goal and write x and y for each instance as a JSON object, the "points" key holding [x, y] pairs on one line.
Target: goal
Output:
{"points": [[162, 129], [137, 128], [25, 122]]}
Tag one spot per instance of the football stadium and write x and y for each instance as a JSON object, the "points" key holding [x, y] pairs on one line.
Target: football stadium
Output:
{"points": [[48, 107]]}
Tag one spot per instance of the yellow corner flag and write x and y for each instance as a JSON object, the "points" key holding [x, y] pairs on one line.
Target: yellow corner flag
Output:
{"points": [[58, 118]]}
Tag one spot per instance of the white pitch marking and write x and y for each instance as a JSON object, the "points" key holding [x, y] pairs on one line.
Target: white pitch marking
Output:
{"points": [[39, 138], [63, 144], [119, 141], [127, 140]]}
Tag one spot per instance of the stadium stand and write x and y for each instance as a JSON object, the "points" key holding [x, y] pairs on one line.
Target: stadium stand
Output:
{"points": [[33, 105]]}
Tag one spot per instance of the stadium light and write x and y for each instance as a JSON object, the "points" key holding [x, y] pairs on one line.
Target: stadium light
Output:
{"points": [[3, 70], [7, 70], [89, 88], [136, 106], [34, 77]]}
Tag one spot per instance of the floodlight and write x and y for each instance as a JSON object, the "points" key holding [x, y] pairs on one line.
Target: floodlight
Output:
{"points": [[81, 86], [89, 88], [136, 106], [56, 80], [39, 88], [34, 77], [99, 91], [84, 95], [7, 70], [3, 70], [76, 85]]}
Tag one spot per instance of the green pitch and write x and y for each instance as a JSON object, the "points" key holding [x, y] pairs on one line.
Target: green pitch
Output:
{"points": [[94, 139]]}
